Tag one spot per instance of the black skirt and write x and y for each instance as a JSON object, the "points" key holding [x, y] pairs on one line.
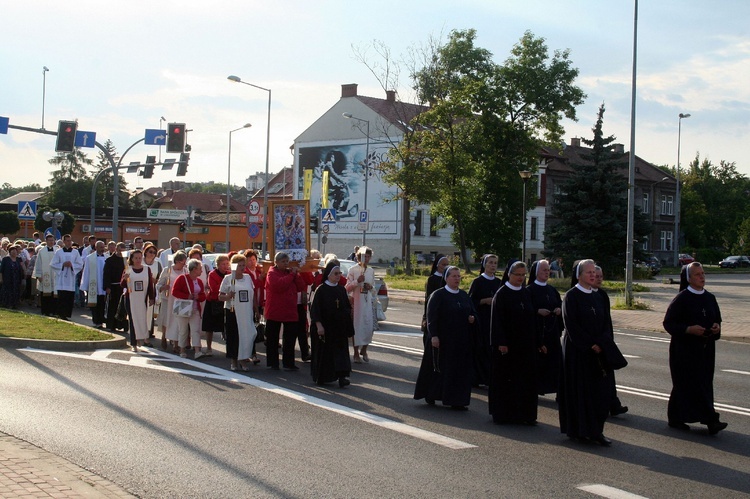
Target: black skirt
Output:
{"points": [[213, 317]]}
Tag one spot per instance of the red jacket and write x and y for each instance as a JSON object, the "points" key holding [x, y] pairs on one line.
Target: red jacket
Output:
{"points": [[281, 295], [182, 290], [214, 283]]}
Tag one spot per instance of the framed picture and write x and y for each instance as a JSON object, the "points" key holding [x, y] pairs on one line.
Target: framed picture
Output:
{"points": [[290, 228]]}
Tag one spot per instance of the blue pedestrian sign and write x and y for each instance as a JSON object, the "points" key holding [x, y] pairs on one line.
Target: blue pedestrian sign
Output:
{"points": [[328, 216], [85, 139], [4, 124], [27, 210], [155, 137]]}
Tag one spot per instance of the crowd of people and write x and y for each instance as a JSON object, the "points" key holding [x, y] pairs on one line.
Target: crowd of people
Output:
{"points": [[520, 338], [513, 334]]}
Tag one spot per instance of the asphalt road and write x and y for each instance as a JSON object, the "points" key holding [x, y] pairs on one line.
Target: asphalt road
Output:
{"points": [[164, 427]]}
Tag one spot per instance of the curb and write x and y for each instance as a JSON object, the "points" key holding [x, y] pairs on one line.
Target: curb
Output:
{"points": [[63, 346]]}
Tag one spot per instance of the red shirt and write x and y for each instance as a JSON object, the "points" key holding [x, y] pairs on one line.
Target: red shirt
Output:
{"points": [[281, 295], [214, 282], [182, 288]]}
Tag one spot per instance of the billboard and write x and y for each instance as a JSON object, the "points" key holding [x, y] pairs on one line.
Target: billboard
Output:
{"points": [[346, 166]]}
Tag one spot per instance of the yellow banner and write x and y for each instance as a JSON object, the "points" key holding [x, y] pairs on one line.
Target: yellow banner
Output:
{"points": [[307, 186], [324, 191]]}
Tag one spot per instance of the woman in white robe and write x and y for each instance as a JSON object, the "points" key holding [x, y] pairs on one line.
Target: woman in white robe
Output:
{"points": [[139, 295], [236, 292], [360, 285], [153, 263], [167, 322]]}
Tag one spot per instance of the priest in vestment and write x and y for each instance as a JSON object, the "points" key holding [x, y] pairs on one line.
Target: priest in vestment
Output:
{"points": [[92, 281], [66, 263], [45, 276]]}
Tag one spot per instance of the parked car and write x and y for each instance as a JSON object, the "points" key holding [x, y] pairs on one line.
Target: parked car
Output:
{"points": [[684, 259], [382, 289], [651, 264], [732, 262]]}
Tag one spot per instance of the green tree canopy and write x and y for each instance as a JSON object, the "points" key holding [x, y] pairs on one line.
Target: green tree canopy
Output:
{"points": [[592, 207], [70, 184], [9, 223]]}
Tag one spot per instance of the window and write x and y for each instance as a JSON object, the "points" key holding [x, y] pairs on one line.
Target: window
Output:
{"points": [[418, 223], [533, 236], [433, 226], [666, 240], [645, 244], [667, 205], [645, 207]]}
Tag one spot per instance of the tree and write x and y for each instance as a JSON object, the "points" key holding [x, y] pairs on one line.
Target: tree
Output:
{"points": [[106, 185], [71, 184], [7, 190], [9, 223], [592, 207]]}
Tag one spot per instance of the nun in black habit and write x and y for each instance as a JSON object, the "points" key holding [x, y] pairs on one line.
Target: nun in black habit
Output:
{"points": [[693, 320], [446, 370], [515, 345], [330, 329], [434, 282], [547, 305], [481, 292], [584, 394]]}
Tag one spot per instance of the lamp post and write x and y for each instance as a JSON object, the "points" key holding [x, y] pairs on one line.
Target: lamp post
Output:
{"points": [[44, 90], [162, 119], [229, 183], [525, 175], [630, 237], [367, 164], [237, 79], [676, 237]]}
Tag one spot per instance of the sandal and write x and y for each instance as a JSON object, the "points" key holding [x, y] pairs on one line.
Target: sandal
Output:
{"points": [[255, 360]]}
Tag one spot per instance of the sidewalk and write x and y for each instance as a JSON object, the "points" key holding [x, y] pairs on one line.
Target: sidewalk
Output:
{"points": [[732, 293], [28, 471]]}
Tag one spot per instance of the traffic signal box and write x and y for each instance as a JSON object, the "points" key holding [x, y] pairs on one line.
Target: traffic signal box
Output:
{"points": [[148, 169], [314, 224], [66, 136], [182, 227], [176, 137], [183, 164]]}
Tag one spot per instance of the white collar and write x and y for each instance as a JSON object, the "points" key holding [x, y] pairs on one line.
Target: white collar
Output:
{"points": [[437, 274], [695, 291], [595, 290], [514, 288], [488, 277], [587, 291], [455, 292], [539, 283], [331, 283]]}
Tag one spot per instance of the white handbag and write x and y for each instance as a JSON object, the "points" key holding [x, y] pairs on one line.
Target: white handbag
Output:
{"points": [[182, 307]]}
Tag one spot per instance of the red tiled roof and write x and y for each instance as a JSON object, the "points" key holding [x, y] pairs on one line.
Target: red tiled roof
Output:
{"points": [[286, 190], [397, 113], [560, 160]]}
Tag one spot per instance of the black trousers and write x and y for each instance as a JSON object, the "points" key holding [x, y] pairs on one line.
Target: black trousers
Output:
{"points": [[65, 304], [97, 312], [114, 299], [48, 303], [304, 345], [273, 328]]}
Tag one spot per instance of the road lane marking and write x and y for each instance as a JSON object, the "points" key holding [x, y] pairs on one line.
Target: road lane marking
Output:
{"points": [[631, 356], [644, 337], [213, 372], [402, 324], [602, 490], [389, 346], [734, 371], [742, 411]]}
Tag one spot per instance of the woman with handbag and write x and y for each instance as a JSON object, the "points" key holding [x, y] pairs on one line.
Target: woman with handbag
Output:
{"points": [[236, 292], [166, 320], [187, 295], [213, 312], [139, 293]]}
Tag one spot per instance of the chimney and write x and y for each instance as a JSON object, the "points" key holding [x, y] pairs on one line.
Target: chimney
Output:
{"points": [[348, 90], [390, 95], [618, 148], [575, 142]]}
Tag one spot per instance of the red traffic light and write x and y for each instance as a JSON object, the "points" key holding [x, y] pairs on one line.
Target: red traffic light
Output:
{"points": [[176, 137]]}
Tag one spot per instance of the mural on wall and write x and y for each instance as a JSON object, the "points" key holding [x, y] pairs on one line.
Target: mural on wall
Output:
{"points": [[346, 166]]}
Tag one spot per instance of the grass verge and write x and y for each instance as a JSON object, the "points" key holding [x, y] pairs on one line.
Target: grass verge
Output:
{"points": [[621, 304], [17, 324]]}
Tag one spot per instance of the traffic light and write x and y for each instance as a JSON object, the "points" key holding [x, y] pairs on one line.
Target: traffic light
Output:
{"points": [[183, 164], [314, 224], [66, 136], [182, 226], [148, 169], [176, 137]]}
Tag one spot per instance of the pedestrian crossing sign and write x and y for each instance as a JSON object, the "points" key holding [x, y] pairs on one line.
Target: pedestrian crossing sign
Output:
{"points": [[27, 210], [328, 216]]}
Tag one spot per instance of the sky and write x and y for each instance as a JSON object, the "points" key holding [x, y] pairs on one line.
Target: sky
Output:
{"points": [[118, 67]]}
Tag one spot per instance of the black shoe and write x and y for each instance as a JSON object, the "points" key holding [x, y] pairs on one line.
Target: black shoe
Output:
{"points": [[275, 368], [430, 401], [716, 427], [678, 425], [602, 440], [459, 408], [344, 382], [306, 358], [616, 411], [291, 368]]}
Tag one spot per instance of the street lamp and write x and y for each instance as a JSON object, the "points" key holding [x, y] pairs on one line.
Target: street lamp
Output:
{"points": [[676, 237], [229, 183], [237, 79], [367, 164], [44, 90], [525, 175]]}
